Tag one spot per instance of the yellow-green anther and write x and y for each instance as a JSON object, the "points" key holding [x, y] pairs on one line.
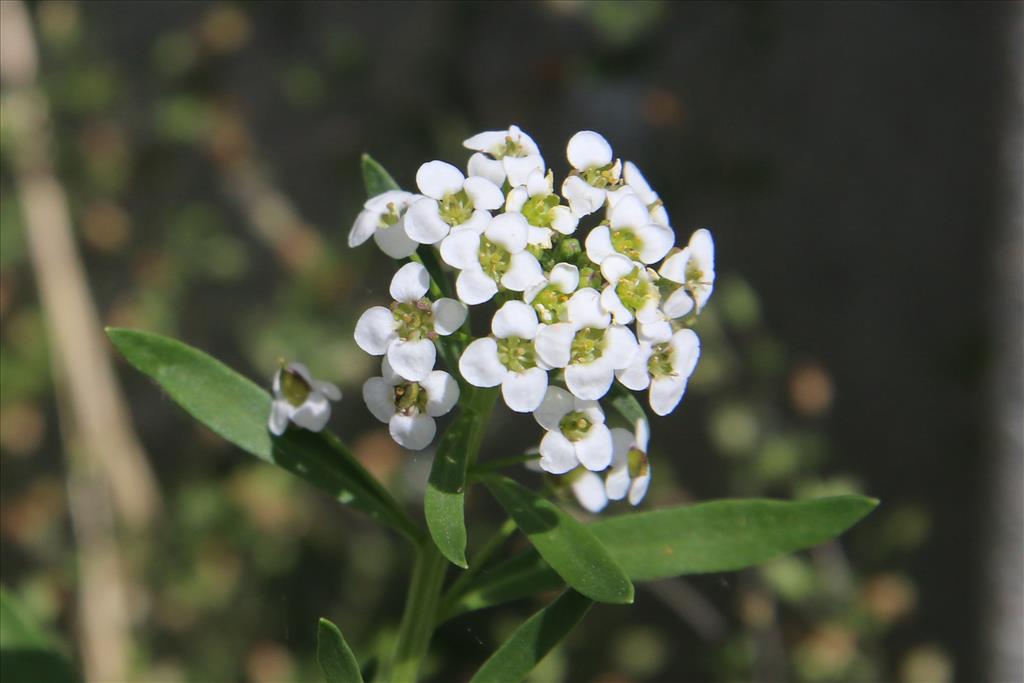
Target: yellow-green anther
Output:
{"points": [[517, 354], [575, 425], [587, 345], [494, 259], [537, 210], [660, 362], [633, 290], [389, 217], [602, 176], [456, 208], [550, 304], [415, 320], [410, 398], [511, 148], [693, 272], [294, 387], [627, 243]]}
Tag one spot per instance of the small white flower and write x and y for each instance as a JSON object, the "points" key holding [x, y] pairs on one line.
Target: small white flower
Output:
{"points": [[594, 172], [636, 182], [409, 408], [451, 200], [405, 332], [502, 154], [631, 292], [576, 433], [694, 269], [508, 358], [495, 254], [588, 346], [550, 295], [300, 399], [630, 233], [664, 367], [631, 471], [383, 217], [538, 203]]}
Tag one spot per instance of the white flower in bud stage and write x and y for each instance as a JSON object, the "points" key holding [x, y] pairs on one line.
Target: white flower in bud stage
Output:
{"points": [[594, 172], [693, 268], [540, 206], [451, 200], [664, 366], [383, 217], [409, 408], [493, 255], [631, 233], [631, 292], [588, 346], [300, 399], [502, 154], [631, 471], [550, 295], [405, 332], [508, 358], [576, 433]]}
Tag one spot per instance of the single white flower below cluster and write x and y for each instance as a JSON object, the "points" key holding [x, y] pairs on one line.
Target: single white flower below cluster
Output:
{"points": [[300, 399]]}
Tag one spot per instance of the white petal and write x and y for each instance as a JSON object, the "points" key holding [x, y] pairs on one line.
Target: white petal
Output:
{"points": [[490, 141], [659, 215], [584, 308], [556, 404], [400, 198], [583, 198], [516, 199], [588, 149], [638, 488], [553, 344], [565, 277], [414, 432], [388, 373], [374, 330], [510, 231], [515, 319], [594, 450], [589, 491], [519, 169], [656, 240], [636, 375], [540, 237], [523, 271], [629, 212], [474, 286], [564, 220], [599, 244], [666, 392], [423, 222], [591, 409], [589, 380], [484, 193], [410, 283], [442, 393], [479, 364], [622, 442], [643, 434], [413, 360], [524, 391], [674, 267], [620, 347], [485, 167], [280, 412], [478, 221], [649, 311], [461, 249], [702, 246], [363, 228], [615, 266], [330, 391], [538, 183], [616, 482], [656, 332], [610, 302], [313, 414], [379, 396], [678, 304], [449, 315], [394, 241], [635, 179], [438, 178], [557, 454]]}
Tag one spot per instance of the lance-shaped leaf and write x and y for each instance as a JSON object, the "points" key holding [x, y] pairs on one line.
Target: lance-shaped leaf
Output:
{"points": [[334, 656], [237, 409], [375, 178], [518, 655], [719, 536], [566, 545]]}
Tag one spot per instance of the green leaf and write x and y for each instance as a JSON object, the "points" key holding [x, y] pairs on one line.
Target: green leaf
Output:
{"points": [[518, 655], [236, 409], [565, 544], [377, 180], [626, 405], [719, 536], [334, 656], [27, 653]]}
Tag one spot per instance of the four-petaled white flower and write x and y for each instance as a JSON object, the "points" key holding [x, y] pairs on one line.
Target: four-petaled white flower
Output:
{"points": [[493, 255], [664, 366], [594, 172], [631, 233], [502, 154], [383, 217], [450, 200], [540, 206], [693, 268], [550, 295], [631, 292], [630, 472], [406, 331], [409, 408], [508, 358], [589, 346], [300, 399], [576, 433]]}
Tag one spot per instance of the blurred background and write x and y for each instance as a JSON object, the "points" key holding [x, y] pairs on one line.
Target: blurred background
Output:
{"points": [[859, 165]]}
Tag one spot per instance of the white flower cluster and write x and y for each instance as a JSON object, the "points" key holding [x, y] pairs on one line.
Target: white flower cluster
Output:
{"points": [[581, 306]]}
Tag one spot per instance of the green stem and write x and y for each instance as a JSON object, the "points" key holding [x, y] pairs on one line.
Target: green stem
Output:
{"points": [[478, 563], [420, 614], [501, 463]]}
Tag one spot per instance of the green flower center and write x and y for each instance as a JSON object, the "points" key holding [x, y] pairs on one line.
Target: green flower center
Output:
{"points": [[456, 208], [410, 398], [587, 345], [550, 304], [494, 259], [294, 387], [415, 320], [517, 354], [602, 176], [627, 243], [389, 217], [694, 274], [575, 425], [511, 148], [634, 290], [660, 362], [537, 210], [638, 464]]}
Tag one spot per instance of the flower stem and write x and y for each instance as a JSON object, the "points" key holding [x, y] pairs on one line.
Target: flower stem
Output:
{"points": [[418, 620]]}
